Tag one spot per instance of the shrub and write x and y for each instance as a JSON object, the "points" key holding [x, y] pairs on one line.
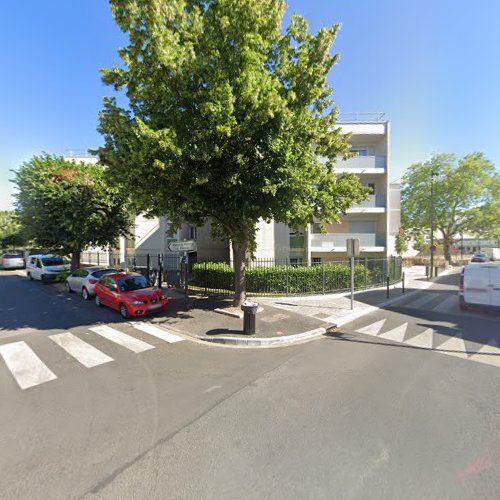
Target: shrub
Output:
{"points": [[273, 279]]}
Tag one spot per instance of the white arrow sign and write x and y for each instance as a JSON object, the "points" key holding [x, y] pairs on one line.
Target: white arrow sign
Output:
{"points": [[182, 246]]}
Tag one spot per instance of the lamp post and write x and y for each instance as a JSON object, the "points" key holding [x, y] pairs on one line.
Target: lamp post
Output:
{"points": [[432, 249]]}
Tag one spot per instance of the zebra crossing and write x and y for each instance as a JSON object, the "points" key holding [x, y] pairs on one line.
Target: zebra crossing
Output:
{"points": [[432, 340], [429, 301], [28, 370]]}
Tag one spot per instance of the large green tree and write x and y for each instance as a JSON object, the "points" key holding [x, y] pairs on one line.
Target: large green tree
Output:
{"points": [[11, 233], [459, 186], [66, 206], [228, 118]]}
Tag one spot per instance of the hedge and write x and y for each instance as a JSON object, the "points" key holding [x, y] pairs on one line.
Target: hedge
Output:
{"points": [[273, 279]]}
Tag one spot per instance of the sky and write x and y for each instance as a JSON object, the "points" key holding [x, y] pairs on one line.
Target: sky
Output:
{"points": [[432, 66]]}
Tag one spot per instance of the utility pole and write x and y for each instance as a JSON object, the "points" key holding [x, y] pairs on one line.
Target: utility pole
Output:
{"points": [[432, 248]]}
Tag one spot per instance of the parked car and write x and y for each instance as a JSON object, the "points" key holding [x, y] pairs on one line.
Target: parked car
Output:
{"points": [[492, 253], [480, 257], [12, 261], [129, 293], [46, 267], [480, 286], [84, 280]]}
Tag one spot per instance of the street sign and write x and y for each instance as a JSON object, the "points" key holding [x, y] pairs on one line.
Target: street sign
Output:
{"points": [[352, 247], [184, 259], [432, 248], [182, 246]]}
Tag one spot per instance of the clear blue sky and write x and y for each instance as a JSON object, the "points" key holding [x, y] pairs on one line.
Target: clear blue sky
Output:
{"points": [[432, 66]]}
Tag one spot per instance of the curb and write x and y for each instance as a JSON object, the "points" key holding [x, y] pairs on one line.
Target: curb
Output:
{"points": [[266, 342]]}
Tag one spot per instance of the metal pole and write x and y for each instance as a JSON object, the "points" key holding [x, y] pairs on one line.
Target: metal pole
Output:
{"points": [[403, 284], [352, 283], [388, 283], [286, 271], [432, 222], [323, 274], [461, 248], [185, 276]]}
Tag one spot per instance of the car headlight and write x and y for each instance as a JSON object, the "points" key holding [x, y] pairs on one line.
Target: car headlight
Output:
{"points": [[138, 302]]}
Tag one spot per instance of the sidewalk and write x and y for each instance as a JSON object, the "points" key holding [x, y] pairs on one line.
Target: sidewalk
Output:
{"points": [[283, 320]]}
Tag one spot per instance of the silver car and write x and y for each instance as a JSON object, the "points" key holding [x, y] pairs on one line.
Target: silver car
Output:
{"points": [[12, 261], [83, 280]]}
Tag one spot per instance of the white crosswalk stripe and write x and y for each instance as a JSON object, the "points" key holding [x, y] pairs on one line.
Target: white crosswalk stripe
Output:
{"points": [[397, 334], [420, 301], [423, 339], [156, 332], [446, 305], [122, 339], [372, 329], [26, 367], [84, 353]]}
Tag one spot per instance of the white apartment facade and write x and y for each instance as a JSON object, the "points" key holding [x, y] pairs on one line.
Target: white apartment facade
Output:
{"points": [[375, 222]]}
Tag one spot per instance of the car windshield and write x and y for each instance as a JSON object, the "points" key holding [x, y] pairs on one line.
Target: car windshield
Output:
{"points": [[53, 261], [102, 272], [132, 283]]}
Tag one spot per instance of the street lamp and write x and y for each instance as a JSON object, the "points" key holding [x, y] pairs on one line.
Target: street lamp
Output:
{"points": [[432, 249]]}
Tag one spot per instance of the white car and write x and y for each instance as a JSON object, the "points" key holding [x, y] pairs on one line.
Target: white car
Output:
{"points": [[46, 267], [480, 286], [84, 280]]}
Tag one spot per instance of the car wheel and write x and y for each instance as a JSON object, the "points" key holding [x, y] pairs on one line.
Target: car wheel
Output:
{"points": [[124, 311], [85, 294], [97, 301], [68, 288]]}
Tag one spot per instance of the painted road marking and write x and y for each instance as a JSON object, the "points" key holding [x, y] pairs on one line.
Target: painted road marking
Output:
{"points": [[447, 304], [372, 329], [489, 354], [26, 367], [122, 339], [84, 353], [454, 346], [397, 334], [423, 339], [426, 297], [156, 332]]}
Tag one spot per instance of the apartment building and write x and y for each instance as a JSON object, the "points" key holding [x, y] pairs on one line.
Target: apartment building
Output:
{"points": [[375, 222]]}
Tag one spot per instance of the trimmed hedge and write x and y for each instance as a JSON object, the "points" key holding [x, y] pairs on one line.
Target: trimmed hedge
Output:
{"points": [[273, 279]]}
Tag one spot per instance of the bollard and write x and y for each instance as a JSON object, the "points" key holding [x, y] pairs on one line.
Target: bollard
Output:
{"points": [[436, 271], [249, 313], [388, 284], [403, 284]]}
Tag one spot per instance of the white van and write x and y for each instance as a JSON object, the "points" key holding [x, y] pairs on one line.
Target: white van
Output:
{"points": [[480, 285], [45, 267], [492, 253]]}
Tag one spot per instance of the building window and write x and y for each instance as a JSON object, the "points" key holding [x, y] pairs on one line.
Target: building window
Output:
{"points": [[371, 187], [192, 232], [316, 228], [361, 152], [316, 261]]}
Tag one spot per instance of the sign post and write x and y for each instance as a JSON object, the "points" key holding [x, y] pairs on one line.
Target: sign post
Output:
{"points": [[352, 247]]}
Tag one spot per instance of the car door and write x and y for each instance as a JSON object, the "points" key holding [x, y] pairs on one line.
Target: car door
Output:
{"points": [[114, 295], [477, 285], [72, 280], [80, 279], [495, 286], [36, 272]]}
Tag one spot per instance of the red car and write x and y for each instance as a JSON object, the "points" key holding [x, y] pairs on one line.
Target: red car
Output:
{"points": [[129, 293]]}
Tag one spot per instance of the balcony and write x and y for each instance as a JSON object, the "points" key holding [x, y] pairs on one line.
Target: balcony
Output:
{"points": [[362, 164], [336, 242], [375, 204]]}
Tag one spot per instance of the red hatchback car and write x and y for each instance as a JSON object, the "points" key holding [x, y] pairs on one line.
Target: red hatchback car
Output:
{"points": [[129, 293]]}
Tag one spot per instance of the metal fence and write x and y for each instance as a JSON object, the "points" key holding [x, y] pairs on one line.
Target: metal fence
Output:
{"points": [[271, 277]]}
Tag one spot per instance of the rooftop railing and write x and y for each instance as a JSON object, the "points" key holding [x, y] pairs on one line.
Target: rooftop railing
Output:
{"points": [[363, 117]]}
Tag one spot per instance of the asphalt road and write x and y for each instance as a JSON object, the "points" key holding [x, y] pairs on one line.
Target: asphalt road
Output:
{"points": [[352, 415]]}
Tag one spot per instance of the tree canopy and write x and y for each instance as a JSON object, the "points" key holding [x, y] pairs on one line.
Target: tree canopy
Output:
{"points": [[11, 234], [228, 117], [459, 186], [66, 206]]}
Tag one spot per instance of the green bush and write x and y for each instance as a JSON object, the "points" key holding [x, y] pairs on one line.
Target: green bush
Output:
{"points": [[273, 279]]}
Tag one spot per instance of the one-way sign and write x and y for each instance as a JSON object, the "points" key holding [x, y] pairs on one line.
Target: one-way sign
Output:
{"points": [[182, 246]]}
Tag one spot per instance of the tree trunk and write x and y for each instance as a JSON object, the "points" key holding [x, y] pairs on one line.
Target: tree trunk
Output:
{"points": [[75, 260], [446, 249], [239, 256]]}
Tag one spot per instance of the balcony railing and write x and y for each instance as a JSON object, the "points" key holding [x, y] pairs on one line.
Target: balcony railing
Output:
{"points": [[361, 162], [375, 201], [363, 117], [326, 242]]}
